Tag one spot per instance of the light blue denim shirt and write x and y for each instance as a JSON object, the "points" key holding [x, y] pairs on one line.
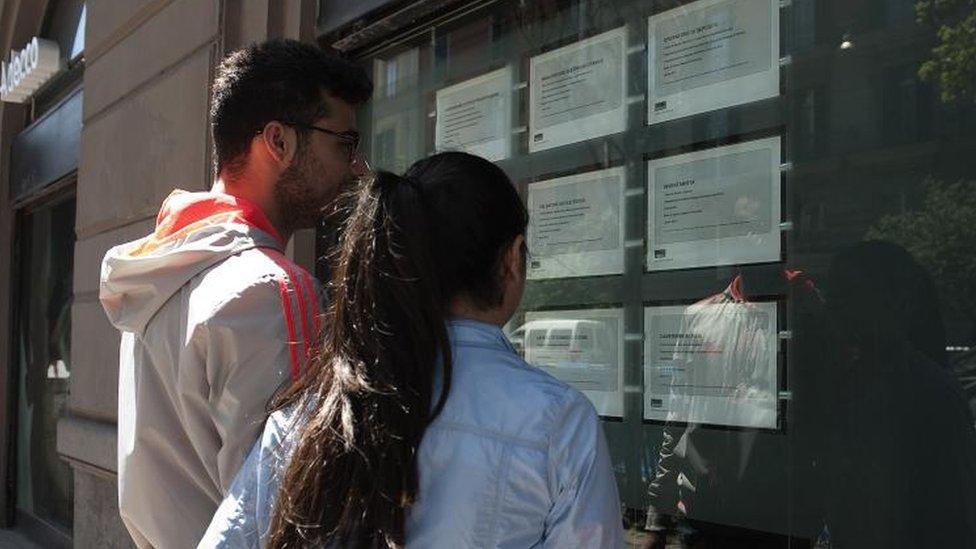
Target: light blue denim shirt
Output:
{"points": [[517, 458]]}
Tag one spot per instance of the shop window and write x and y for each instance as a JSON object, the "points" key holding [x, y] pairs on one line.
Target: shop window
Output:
{"points": [[907, 105], [44, 482], [713, 165], [809, 117]]}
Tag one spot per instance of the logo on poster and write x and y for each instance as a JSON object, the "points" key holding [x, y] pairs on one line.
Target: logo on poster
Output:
{"points": [[28, 69]]}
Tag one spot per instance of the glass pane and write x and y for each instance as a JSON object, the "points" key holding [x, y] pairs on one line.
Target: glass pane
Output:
{"points": [[751, 246], [66, 26], [45, 483]]}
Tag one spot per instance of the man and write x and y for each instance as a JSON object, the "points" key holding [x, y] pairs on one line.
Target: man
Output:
{"points": [[214, 317]]}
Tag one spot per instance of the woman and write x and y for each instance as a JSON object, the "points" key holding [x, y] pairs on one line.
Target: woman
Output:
{"points": [[418, 424]]}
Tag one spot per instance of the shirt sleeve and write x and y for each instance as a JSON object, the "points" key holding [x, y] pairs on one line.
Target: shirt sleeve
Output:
{"points": [[244, 516], [586, 508], [235, 522]]}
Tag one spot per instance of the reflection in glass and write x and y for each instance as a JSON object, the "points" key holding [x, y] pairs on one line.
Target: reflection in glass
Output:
{"points": [[581, 348], [711, 373], [872, 140], [44, 482], [895, 427]]}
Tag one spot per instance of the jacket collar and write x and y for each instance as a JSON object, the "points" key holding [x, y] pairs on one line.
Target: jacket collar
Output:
{"points": [[184, 212], [472, 333]]}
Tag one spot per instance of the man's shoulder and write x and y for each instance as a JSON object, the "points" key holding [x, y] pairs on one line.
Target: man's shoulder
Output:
{"points": [[258, 277], [257, 264]]}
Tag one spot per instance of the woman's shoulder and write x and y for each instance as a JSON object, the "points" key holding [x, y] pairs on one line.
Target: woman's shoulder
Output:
{"points": [[523, 396], [283, 427], [510, 371]]}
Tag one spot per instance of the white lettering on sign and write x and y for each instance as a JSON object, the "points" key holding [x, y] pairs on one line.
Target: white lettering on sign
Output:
{"points": [[28, 69]]}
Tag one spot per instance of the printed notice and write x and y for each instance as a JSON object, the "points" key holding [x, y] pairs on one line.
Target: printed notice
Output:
{"points": [[576, 225], [715, 207], [475, 116], [710, 55], [578, 92], [583, 348], [712, 363]]}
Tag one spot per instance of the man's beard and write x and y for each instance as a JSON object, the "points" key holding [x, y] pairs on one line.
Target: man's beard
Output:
{"points": [[301, 194]]}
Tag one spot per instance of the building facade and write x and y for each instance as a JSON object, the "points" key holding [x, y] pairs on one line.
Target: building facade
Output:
{"points": [[692, 169]]}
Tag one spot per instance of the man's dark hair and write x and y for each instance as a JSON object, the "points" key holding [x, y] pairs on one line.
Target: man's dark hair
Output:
{"points": [[276, 80]]}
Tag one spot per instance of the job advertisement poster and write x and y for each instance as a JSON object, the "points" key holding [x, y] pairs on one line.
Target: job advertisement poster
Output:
{"points": [[719, 206], [576, 225], [711, 363], [711, 54], [584, 348], [578, 92], [475, 116]]}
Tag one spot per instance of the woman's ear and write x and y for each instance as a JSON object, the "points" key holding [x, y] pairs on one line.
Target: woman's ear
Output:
{"points": [[514, 263]]}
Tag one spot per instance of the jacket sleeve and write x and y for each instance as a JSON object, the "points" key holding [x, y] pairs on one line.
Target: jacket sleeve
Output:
{"points": [[249, 350], [586, 507]]}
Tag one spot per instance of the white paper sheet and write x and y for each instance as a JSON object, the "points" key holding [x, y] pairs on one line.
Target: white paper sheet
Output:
{"points": [[710, 55], [715, 207], [576, 225], [584, 348], [578, 92], [711, 363], [475, 116]]}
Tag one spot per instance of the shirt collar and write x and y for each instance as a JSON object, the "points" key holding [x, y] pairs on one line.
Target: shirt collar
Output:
{"points": [[479, 334]]}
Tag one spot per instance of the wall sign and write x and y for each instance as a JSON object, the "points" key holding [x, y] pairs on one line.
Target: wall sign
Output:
{"points": [[475, 116], [576, 225], [579, 91], [718, 206], [28, 69], [583, 348], [711, 54], [713, 362]]}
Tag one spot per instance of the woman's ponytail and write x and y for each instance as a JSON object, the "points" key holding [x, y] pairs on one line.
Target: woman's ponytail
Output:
{"points": [[353, 473]]}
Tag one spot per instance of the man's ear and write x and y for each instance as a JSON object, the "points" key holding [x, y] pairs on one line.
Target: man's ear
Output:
{"points": [[279, 141]]}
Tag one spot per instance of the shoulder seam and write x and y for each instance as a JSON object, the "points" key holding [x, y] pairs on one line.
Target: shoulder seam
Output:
{"points": [[517, 441]]}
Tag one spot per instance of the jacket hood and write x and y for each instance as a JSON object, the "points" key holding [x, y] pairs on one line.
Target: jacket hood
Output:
{"points": [[194, 231]]}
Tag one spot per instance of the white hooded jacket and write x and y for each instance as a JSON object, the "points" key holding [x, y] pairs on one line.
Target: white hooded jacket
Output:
{"points": [[214, 320]]}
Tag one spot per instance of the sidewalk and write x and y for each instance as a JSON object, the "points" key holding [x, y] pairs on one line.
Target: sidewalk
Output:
{"points": [[11, 539]]}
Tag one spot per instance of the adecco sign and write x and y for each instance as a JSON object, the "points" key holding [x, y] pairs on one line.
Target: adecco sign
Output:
{"points": [[28, 69]]}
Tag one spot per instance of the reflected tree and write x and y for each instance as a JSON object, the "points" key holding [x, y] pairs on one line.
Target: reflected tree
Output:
{"points": [[941, 234], [953, 62]]}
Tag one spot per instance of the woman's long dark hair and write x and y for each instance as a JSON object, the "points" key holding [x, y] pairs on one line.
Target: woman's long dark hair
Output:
{"points": [[409, 246]]}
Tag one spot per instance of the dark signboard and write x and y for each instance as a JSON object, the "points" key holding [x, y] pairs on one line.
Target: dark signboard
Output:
{"points": [[47, 150]]}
